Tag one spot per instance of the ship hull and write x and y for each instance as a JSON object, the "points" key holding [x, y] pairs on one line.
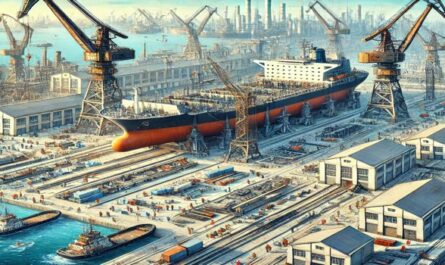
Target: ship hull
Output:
{"points": [[139, 133], [54, 216], [151, 229]]}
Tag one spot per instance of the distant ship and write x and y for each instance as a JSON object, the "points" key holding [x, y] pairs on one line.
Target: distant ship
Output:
{"points": [[285, 86], [92, 243], [9, 223]]}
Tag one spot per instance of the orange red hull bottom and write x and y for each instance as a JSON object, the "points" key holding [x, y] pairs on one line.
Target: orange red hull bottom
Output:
{"points": [[143, 138]]}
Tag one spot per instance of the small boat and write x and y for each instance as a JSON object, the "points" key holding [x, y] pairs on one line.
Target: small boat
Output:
{"points": [[20, 244], [92, 243], [9, 223]]}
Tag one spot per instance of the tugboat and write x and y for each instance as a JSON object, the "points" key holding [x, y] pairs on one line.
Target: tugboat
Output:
{"points": [[9, 223], [92, 243]]}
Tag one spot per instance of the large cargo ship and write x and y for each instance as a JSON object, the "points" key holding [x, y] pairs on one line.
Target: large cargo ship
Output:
{"points": [[9, 223], [285, 85], [91, 243], [164, 72]]}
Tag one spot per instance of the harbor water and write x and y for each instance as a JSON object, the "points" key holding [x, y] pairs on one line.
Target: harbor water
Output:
{"points": [[71, 51], [38, 245]]}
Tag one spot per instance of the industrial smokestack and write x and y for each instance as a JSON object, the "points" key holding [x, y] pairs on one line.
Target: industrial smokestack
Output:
{"points": [[248, 15], [58, 59], [268, 15]]}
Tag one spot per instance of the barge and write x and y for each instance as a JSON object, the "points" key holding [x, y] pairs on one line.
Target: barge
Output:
{"points": [[9, 223], [92, 243]]}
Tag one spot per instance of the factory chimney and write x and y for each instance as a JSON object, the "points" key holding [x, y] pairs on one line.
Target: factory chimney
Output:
{"points": [[248, 15], [268, 15]]}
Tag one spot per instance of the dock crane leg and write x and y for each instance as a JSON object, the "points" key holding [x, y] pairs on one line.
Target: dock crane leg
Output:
{"points": [[387, 99]]}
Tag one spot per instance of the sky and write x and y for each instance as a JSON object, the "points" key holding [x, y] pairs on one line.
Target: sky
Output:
{"points": [[103, 7]]}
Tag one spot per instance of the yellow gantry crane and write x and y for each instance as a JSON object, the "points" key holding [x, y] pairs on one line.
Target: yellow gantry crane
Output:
{"points": [[335, 50], [244, 147], [103, 91], [387, 99], [16, 71]]}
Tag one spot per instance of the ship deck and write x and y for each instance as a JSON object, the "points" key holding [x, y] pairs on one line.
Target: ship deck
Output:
{"points": [[127, 236], [39, 218]]}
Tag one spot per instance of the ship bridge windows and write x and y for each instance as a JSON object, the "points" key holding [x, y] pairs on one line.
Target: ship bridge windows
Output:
{"points": [[144, 77], [128, 80], [152, 77], [137, 79]]}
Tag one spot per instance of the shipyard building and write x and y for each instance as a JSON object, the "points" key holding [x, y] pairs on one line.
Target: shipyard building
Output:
{"points": [[339, 246], [429, 144], [413, 211], [370, 165], [36, 116]]}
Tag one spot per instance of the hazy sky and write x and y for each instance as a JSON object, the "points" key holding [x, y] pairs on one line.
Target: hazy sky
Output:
{"points": [[102, 8]]}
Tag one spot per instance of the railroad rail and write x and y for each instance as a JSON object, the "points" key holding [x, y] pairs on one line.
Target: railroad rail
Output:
{"points": [[247, 234]]}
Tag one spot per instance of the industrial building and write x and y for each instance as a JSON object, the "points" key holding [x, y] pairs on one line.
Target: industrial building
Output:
{"points": [[370, 165], [413, 210], [429, 143], [338, 246], [35, 116], [66, 84]]}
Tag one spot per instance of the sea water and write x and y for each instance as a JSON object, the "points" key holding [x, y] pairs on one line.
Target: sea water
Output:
{"points": [[39, 243], [71, 51]]}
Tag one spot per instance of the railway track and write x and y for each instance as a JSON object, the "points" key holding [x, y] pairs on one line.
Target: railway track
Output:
{"points": [[123, 162], [250, 233], [27, 164]]}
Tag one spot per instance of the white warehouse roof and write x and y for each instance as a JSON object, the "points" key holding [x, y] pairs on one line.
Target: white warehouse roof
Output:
{"points": [[436, 133], [347, 239], [41, 106], [417, 197], [375, 152]]}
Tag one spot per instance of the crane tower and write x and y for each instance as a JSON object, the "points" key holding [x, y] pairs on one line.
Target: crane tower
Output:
{"points": [[103, 91]]}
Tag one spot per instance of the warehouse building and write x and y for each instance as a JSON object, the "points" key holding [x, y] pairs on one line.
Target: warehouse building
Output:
{"points": [[429, 143], [339, 246], [413, 210], [370, 165], [36, 116]]}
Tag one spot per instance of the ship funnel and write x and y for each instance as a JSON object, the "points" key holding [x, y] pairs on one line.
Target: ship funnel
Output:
{"points": [[320, 55]]}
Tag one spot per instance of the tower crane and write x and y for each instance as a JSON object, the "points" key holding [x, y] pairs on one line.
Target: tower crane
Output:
{"points": [[333, 31], [103, 91], [433, 68], [244, 147], [16, 70], [387, 97], [193, 48], [153, 26]]}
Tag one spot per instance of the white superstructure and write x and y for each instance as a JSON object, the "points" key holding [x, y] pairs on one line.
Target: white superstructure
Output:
{"points": [[303, 70]]}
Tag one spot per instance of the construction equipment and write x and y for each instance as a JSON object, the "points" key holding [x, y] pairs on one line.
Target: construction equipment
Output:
{"points": [[103, 90], [244, 147], [152, 26], [16, 72], [193, 48], [334, 31], [387, 97], [433, 69]]}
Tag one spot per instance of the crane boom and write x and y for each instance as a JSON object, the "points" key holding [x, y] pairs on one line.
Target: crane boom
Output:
{"points": [[12, 40], [414, 30], [206, 19], [224, 77], [192, 17], [392, 20]]}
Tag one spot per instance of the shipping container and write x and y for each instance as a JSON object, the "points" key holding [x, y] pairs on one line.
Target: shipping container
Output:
{"points": [[219, 172], [175, 254], [193, 246], [85, 193]]}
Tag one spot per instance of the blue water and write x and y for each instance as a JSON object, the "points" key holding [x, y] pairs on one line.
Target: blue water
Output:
{"points": [[62, 41], [43, 241]]}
